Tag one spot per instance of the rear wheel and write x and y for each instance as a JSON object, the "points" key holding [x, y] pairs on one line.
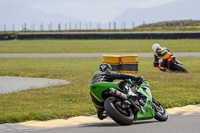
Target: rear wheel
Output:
{"points": [[122, 116], [179, 68], [160, 112]]}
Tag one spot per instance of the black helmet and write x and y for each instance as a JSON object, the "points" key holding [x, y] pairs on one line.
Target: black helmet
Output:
{"points": [[104, 67]]}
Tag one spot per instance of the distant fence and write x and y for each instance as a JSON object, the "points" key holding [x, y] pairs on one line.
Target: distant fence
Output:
{"points": [[104, 35], [112, 35]]}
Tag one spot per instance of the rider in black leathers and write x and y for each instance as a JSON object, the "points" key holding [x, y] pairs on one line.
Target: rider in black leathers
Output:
{"points": [[105, 74]]}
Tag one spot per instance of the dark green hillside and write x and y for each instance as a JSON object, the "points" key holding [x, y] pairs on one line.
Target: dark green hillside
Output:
{"points": [[177, 23]]}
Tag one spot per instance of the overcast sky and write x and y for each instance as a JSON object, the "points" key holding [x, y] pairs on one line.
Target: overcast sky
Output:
{"points": [[90, 10], [16, 13]]}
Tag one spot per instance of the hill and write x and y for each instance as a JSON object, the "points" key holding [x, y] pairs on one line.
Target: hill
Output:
{"points": [[178, 23], [179, 10]]}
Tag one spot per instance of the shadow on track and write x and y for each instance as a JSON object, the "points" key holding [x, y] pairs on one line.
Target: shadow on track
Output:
{"points": [[106, 124]]}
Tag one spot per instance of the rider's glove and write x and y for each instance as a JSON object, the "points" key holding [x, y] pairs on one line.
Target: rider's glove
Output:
{"points": [[139, 79]]}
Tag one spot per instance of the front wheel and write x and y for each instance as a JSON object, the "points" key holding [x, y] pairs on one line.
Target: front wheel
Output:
{"points": [[180, 68], [160, 112], [122, 116]]}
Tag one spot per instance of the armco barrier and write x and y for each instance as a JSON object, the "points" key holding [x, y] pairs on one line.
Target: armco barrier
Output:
{"points": [[111, 35]]}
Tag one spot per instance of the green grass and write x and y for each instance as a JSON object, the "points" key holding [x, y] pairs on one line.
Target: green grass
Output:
{"points": [[96, 46], [171, 89]]}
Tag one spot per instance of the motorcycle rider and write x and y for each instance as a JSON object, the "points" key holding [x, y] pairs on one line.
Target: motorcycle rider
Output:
{"points": [[105, 74], [161, 54]]}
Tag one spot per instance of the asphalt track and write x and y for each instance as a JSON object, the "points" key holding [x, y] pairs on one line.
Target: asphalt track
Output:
{"points": [[175, 124], [53, 55], [12, 84], [181, 120]]}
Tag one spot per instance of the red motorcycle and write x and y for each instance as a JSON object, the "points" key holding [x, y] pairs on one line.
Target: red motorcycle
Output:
{"points": [[174, 65]]}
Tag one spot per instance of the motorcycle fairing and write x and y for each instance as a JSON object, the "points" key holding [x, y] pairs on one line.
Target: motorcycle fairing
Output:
{"points": [[147, 111], [96, 89]]}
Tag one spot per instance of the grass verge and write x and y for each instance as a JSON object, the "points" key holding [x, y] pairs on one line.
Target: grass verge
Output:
{"points": [[171, 89], [96, 46]]}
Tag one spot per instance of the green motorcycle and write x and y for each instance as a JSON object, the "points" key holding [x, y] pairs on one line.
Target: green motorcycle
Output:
{"points": [[125, 107]]}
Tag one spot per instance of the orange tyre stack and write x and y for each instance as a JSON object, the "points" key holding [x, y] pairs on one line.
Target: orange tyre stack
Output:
{"points": [[129, 64], [113, 60], [122, 64]]}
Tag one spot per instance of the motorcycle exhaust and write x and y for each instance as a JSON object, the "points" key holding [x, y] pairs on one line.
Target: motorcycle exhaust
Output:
{"points": [[117, 93], [123, 96]]}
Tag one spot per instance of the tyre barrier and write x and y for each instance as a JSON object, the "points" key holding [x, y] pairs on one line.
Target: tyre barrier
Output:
{"points": [[129, 64], [122, 64], [129, 59], [113, 60], [111, 35], [7, 36]]}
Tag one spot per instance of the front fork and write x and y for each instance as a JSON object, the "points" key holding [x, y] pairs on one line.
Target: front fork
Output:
{"points": [[155, 103]]}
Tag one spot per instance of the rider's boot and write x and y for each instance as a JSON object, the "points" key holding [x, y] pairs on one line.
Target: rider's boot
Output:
{"points": [[101, 113]]}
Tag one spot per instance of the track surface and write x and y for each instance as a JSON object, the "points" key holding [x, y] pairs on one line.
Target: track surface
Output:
{"points": [[12, 84], [175, 124]]}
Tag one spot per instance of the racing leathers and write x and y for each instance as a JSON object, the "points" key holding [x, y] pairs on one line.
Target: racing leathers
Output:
{"points": [[108, 76], [162, 54]]}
